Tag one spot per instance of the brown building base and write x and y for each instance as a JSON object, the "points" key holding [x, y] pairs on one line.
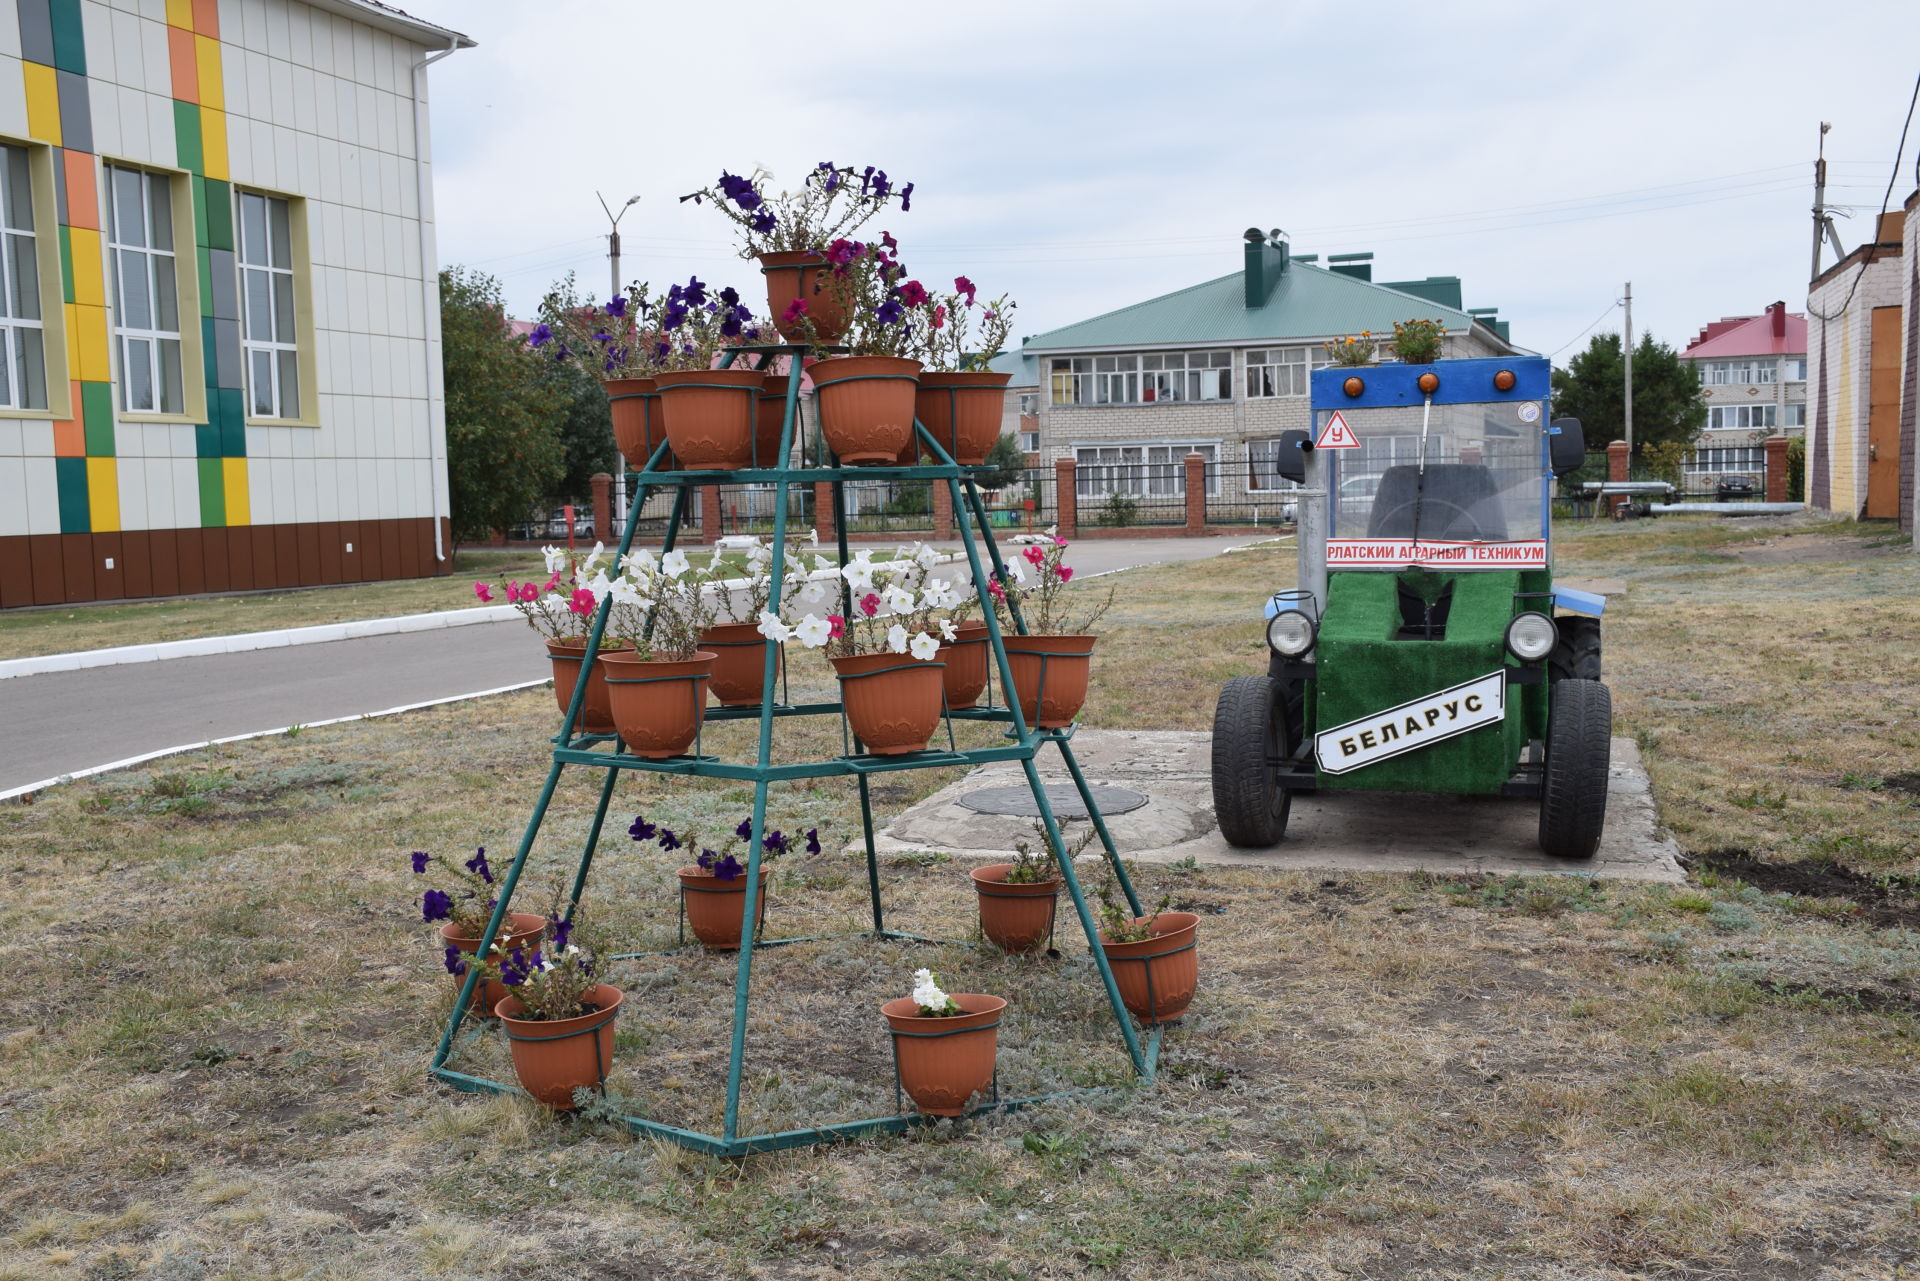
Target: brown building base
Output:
{"points": [[57, 569]]}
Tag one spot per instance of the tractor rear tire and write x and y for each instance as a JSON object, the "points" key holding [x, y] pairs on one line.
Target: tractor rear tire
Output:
{"points": [[1577, 654], [1249, 736], [1573, 796]]}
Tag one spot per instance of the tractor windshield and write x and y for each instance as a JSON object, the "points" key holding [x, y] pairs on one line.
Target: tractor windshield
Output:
{"points": [[1482, 480]]}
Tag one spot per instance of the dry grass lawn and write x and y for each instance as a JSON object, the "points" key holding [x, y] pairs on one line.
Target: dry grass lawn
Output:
{"points": [[222, 1002]]}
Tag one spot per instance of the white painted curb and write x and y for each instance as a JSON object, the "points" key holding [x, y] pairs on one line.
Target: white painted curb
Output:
{"points": [[14, 793]]}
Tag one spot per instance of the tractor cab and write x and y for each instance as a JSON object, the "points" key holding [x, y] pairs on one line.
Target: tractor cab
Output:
{"points": [[1426, 648]]}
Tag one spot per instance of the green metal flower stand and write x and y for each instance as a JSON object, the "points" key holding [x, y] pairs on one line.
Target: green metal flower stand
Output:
{"points": [[606, 752]]}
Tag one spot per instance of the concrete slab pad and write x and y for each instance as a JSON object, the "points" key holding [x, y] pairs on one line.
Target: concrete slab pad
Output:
{"points": [[1375, 832]]}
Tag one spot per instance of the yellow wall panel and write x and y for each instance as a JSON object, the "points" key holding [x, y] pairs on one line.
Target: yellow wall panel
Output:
{"points": [[206, 56], [236, 478], [89, 281], [103, 494], [213, 141], [180, 13], [89, 336], [43, 103]]}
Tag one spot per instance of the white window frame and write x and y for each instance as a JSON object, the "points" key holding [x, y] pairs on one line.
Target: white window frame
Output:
{"points": [[1094, 477], [1030, 442], [1727, 460], [1793, 414], [23, 337], [1263, 468], [152, 261], [1282, 371], [1744, 372], [1142, 378], [282, 350], [1755, 417]]}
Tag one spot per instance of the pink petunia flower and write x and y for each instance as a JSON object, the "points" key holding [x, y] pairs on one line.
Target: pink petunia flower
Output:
{"points": [[581, 602], [995, 589], [794, 312], [913, 293], [837, 626], [1065, 572], [1034, 555], [1059, 541], [551, 583], [965, 286], [940, 316], [484, 592], [870, 604]]}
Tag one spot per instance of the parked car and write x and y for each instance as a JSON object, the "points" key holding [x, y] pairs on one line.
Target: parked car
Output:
{"points": [[1732, 487]]}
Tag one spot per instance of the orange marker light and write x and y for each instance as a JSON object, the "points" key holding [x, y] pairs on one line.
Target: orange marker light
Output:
{"points": [[1504, 380], [1353, 386], [1429, 382]]}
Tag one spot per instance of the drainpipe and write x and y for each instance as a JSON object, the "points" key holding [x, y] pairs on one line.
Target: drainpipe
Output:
{"points": [[429, 277]]}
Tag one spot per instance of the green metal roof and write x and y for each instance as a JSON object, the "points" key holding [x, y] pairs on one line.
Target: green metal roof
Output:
{"points": [[1025, 368], [1309, 303]]}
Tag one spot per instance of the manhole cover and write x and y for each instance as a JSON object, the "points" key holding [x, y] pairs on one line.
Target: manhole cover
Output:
{"points": [[1018, 802]]}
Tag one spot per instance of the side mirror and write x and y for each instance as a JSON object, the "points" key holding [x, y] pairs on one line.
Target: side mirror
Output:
{"points": [[1292, 464], [1566, 446]]}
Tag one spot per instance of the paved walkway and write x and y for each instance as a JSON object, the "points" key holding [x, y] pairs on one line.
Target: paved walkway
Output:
{"points": [[56, 723]]}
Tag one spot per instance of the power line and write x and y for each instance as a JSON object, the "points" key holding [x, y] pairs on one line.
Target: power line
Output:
{"points": [[1873, 246], [1584, 332]]}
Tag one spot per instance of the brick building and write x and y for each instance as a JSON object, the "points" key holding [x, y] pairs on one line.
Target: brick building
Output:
{"points": [[1753, 374], [1220, 369], [1860, 336], [221, 313]]}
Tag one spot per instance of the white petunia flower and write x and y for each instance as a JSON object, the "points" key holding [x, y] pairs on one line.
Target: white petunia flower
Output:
{"points": [[897, 639], [639, 563], [940, 595], [898, 599], [624, 592], [813, 538], [556, 559], [599, 585], [815, 593], [925, 557], [598, 553], [674, 563], [924, 647], [926, 993], [773, 629], [947, 629], [813, 631], [821, 565], [859, 577]]}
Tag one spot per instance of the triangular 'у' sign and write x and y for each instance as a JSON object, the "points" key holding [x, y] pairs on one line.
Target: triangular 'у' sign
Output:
{"points": [[1337, 435]]}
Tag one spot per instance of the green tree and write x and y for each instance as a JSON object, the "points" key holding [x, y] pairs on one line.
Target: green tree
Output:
{"points": [[1009, 462], [586, 430], [504, 449], [1666, 394]]}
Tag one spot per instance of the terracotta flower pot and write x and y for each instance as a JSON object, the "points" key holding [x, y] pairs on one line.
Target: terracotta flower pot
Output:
{"points": [[596, 716], [1017, 917], [1050, 676], [967, 656], [963, 411], [945, 1062], [555, 1057], [524, 929], [892, 700], [710, 416], [769, 417], [638, 427], [1157, 976], [739, 664], [865, 405], [717, 909], [799, 275], [657, 704]]}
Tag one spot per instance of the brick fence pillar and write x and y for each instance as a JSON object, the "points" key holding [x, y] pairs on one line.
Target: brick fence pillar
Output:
{"points": [[1065, 499], [1617, 454], [942, 510], [711, 528], [1196, 494], [1776, 447], [602, 506], [823, 512]]}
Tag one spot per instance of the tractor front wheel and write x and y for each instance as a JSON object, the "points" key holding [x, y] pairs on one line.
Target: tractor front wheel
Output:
{"points": [[1250, 738], [1573, 798]]}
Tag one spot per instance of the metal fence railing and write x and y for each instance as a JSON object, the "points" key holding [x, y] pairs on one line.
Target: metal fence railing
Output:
{"points": [[1119, 495], [1008, 507], [1247, 493]]}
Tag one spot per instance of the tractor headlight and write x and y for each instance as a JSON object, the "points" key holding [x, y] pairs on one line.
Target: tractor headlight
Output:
{"points": [[1532, 637], [1290, 633]]}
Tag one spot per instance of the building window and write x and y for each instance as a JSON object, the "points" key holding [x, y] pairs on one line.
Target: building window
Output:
{"points": [[1139, 471], [1282, 371], [1142, 380], [1736, 417], [1263, 466], [1796, 369], [1743, 372], [145, 290], [1029, 404], [266, 299], [1795, 415], [1751, 458], [23, 362], [1030, 442]]}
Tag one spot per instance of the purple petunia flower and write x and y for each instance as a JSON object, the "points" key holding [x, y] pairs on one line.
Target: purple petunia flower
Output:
{"points": [[813, 840], [739, 190], [641, 830], [889, 312], [541, 335], [562, 352], [455, 965], [478, 865], [668, 840], [728, 868], [763, 222], [729, 296], [745, 830], [617, 305], [561, 933], [775, 842], [695, 293], [436, 905], [515, 969], [906, 198], [420, 860]]}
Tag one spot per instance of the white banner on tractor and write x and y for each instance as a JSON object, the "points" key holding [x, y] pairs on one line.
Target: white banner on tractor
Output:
{"points": [[1400, 553], [1411, 726]]}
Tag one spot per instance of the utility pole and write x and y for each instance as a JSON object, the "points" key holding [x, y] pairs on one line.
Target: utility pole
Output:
{"points": [[1819, 198], [613, 291], [1628, 351]]}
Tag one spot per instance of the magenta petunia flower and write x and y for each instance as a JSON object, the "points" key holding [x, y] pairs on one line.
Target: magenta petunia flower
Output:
{"points": [[837, 626], [870, 604], [940, 316], [1034, 555], [795, 310], [1066, 573], [484, 592], [966, 287], [581, 602], [913, 293]]}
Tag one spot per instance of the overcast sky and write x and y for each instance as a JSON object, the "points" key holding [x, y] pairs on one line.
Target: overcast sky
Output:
{"points": [[1085, 157]]}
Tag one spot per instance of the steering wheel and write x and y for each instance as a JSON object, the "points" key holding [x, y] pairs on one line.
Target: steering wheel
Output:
{"points": [[1441, 520]]}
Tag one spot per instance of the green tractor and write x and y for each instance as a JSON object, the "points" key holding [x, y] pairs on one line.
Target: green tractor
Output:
{"points": [[1427, 649]]}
